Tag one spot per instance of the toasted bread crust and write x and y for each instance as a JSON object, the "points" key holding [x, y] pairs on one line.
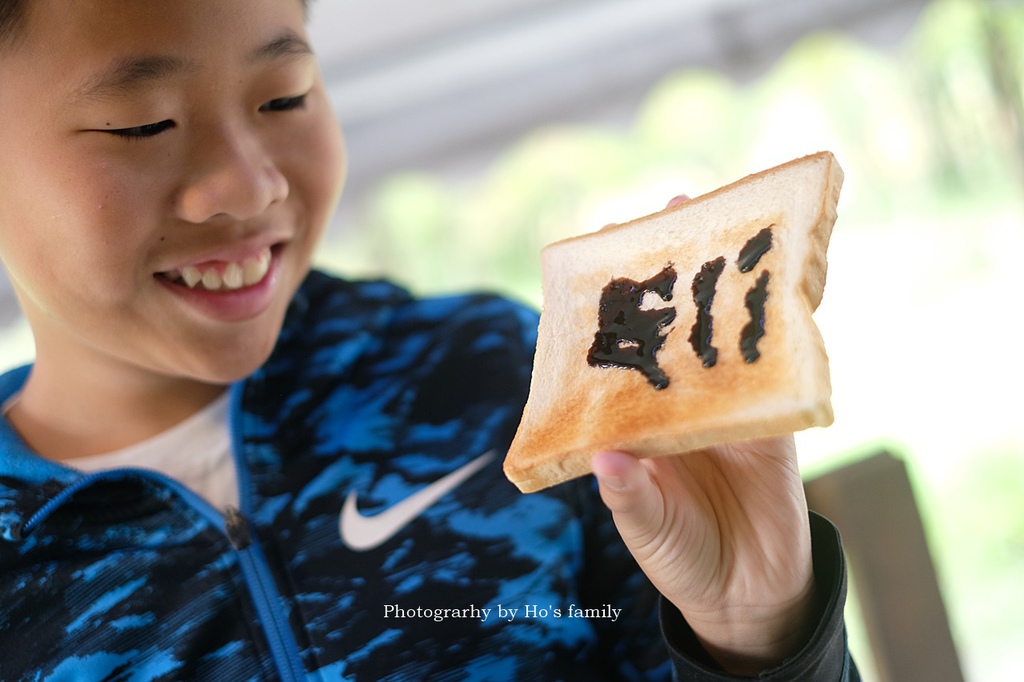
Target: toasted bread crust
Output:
{"points": [[577, 408]]}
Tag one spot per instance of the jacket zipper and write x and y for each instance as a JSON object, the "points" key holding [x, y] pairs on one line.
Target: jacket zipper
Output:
{"points": [[283, 648]]}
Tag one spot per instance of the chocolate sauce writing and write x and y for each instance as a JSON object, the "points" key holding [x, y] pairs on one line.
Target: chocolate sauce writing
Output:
{"points": [[629, 335]]}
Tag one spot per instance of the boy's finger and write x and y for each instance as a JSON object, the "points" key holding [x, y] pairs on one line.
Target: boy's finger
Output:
{"points": [[675, 201], [628, 491]]}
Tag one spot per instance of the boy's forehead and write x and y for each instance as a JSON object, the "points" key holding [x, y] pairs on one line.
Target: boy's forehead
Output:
{"points": [[123, 40], [62, 24]]}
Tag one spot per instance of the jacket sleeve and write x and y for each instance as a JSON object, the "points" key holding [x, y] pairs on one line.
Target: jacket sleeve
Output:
{"points": [[825, 657]]}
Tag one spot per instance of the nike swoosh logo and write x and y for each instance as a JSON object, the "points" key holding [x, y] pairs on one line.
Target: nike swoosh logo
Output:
{"points": [[361, 533]]}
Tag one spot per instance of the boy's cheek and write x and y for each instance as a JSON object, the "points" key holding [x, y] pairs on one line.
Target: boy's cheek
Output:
{"points": [[321, 164]]}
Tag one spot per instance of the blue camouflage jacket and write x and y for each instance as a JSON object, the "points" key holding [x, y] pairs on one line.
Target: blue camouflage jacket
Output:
{"points": [[377, 538]]}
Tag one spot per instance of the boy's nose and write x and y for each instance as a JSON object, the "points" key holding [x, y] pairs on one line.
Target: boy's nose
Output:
{"points": [[232, 174]]}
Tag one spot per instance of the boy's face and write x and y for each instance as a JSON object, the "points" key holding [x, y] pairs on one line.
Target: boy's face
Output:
{"points": [[147, 144]]}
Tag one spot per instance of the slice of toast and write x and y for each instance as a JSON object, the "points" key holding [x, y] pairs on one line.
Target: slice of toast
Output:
{"points": [[683, 329]]}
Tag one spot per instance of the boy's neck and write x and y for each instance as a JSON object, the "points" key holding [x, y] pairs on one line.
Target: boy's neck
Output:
{"points": [[62, 422]]}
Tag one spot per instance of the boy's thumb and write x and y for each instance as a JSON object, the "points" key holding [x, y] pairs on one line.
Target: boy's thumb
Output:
{"points": [[627, 490]]}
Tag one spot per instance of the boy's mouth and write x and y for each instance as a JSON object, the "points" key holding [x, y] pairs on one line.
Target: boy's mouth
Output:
{"points": [[223, 275]]}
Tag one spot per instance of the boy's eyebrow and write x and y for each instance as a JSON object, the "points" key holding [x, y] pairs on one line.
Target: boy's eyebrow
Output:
{"points": [[285, 45], [126, 75]]}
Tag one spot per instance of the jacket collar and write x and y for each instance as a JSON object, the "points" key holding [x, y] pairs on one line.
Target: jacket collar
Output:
{"points": [[16, 459]]}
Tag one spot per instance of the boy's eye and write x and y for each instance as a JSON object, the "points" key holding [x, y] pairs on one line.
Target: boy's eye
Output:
{"points": [[153, 129], [285, 103], [148, 130]]}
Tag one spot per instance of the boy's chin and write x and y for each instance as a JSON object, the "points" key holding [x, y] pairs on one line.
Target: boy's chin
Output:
{"points": [[230, 366], [225, 377]]}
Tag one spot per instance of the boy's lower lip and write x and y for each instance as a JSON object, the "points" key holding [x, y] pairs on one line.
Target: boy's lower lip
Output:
{"points": [[237, 305]]}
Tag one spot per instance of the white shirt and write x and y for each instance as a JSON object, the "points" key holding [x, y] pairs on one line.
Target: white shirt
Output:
{"points": [[196, 452]]}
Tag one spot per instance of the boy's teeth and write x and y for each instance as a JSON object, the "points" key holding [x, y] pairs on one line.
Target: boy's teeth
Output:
{"points": [[191, 275], [232, 276], [211, 280], [253, 270], [235, 275]]}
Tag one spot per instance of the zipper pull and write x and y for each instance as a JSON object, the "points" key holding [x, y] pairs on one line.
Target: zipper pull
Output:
{"points": [[237, 528]]}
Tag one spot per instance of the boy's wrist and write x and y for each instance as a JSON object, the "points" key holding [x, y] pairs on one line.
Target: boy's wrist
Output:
{"points": [[755, 640]]}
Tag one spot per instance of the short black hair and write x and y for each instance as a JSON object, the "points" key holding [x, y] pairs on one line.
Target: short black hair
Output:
{"points": [[11, 16], [12, 13]]}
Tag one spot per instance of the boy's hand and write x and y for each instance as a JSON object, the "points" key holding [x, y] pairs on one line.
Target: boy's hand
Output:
{"points": [[724, 534]]}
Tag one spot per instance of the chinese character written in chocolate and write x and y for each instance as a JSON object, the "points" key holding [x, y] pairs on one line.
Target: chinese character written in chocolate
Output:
{"points": [[628, 335]]}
